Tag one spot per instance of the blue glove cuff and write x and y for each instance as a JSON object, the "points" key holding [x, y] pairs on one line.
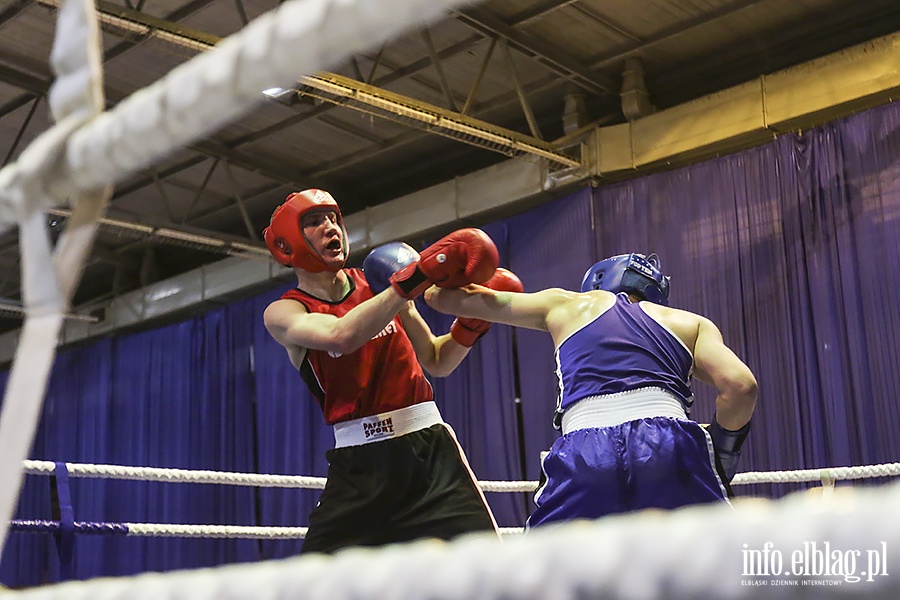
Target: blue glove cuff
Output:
{"points": [[384, 261], [727, 444], [726, 440]]}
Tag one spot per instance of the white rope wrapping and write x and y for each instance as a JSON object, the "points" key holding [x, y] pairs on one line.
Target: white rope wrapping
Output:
{"points": [[50, 273], [39, 467], [695, 553]]}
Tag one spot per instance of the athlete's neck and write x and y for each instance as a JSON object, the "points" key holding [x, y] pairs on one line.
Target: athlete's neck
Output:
{"points": [[325, 285]]}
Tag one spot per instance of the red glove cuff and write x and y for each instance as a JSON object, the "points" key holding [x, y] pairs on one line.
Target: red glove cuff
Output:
{"points": [[410, 282], [466, 332]]}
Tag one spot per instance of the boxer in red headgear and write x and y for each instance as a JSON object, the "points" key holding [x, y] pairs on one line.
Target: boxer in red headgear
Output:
{"points": [[362, 349], [286, 240]]}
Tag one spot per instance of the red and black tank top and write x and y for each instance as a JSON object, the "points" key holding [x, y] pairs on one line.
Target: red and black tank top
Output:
{"points": [[382, 375]]}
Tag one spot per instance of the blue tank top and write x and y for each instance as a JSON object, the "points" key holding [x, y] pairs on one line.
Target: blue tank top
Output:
{"points": [[622, 349]]}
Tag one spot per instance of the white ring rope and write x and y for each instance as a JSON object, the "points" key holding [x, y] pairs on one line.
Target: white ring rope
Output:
{"points": [[200, 531], [85, 470], [508, 486], [827, 474], [215, 531], [237, 531], [39, 467], [696, 553]]}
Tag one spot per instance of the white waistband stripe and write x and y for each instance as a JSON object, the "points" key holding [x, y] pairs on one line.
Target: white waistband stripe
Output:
{"points": [[614, 409], [387, 425]]}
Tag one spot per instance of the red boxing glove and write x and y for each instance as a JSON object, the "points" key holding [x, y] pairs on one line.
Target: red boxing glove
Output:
{"points": [[466, 331], [460, 258]]}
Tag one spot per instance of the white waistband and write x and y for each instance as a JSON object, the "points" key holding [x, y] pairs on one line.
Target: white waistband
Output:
{"points": [[387, 425], [614, 409]]}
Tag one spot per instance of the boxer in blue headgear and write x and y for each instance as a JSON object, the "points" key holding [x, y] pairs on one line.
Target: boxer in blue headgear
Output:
{"points": [[631, 273], [625, 362]]}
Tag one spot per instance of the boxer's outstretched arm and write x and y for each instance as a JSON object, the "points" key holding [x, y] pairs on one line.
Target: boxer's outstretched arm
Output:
{"points": [[512, 308]]}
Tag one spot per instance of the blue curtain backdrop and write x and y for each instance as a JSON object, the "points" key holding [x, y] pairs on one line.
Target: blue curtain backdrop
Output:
{"points": [[792, 248]]}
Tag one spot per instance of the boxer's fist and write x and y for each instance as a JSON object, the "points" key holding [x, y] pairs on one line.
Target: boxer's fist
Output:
{"points": [[466, 331], [384, 261], [504, 280], [462, 257], [727, 444]]}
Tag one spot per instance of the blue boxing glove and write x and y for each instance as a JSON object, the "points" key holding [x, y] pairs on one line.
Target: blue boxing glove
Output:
{"points": [[727, 444], [384, 261]]}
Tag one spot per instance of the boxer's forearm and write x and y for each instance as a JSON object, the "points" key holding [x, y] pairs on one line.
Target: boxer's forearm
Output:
{"points": [[510, 308], [470, 301]]}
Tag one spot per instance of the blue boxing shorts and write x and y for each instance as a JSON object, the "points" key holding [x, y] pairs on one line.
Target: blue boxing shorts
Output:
{"points": [[653, 462]]}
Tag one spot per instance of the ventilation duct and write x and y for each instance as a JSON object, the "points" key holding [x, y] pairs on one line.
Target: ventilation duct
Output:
{"points": [[635, 98], [575, 114]]}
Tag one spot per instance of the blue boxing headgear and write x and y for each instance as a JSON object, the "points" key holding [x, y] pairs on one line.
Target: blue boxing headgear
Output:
{"points": [[633, 273]]}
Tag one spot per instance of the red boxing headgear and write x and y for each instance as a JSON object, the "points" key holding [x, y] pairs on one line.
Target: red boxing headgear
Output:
{"points": [[284, 235]]}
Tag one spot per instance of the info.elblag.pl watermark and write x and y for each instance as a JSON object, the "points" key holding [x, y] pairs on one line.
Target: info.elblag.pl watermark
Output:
{"points": [[812, 564]]}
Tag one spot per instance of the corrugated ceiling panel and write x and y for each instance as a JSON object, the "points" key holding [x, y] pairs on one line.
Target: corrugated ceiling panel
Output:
{"points": [[143, 64], [30, 34], [307, 143], [159, 8]]}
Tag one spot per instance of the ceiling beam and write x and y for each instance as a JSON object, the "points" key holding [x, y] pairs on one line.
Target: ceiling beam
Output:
{"points": [[540, 10], [555, 59], [219, 150], [36, 86], [13, 10], [396, 75], [182, 13], [667, 34]]}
